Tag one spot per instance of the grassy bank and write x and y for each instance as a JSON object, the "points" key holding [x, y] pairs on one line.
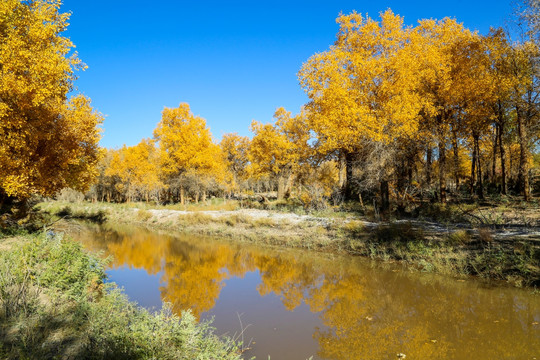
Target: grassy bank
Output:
{"points": [[55, 304], [474, 250]]}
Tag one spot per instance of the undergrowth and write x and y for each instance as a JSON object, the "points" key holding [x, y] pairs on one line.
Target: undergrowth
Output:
{"points": [[54, 303]]}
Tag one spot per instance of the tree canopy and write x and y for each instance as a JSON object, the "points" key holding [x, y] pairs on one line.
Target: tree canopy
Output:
{"points": [[48, 141]]}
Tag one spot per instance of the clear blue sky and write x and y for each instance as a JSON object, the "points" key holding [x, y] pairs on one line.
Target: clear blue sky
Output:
{"points": [[232, 61]]}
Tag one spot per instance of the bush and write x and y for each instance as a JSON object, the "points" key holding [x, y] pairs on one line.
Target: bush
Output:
{"points": [[98, 217], [355, 227], [458, 237], [64, 212], [144, 215]]}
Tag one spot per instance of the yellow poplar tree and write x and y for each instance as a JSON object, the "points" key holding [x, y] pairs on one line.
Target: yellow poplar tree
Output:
{"points": [[362, 88], [235, 149], [47, 142], [434, 45], [138, 169], [186, 146], [278, 149]]}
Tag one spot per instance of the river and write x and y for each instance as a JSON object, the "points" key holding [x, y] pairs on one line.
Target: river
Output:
{"points": [[297, 304]]}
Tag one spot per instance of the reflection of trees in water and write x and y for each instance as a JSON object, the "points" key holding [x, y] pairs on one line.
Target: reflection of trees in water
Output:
{"points": [[368, 314]]}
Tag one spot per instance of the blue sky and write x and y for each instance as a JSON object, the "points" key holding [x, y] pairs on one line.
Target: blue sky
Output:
{"points": [[232, 61]]}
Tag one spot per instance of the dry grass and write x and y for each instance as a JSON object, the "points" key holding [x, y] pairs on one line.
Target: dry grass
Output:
{"points": [[221, 206], [144, 215], [235, 219], [485, 235], [264, 222], [196, 218]]}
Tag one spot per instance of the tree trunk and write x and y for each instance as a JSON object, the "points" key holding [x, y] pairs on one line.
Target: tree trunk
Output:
{"points": [[281, 187], [410, 166], [342, 170], [289, 185], [442, 171], [500, 131], [494, 157], [347, 188], [502, 152], [455, 148], [480, 184], [182, 195], [401, 174], [523, 174], [385, 196], [429, 165], [473, 167]]}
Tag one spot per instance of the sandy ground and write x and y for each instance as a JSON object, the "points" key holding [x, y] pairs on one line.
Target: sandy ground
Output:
{"points": [[505, 232], [255, 214]]}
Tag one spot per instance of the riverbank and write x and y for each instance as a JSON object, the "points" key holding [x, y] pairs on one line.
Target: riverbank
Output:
{"points": [[511, 254], [55, 304]]}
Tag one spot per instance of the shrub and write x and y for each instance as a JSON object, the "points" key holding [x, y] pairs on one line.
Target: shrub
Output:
{"points": [[459, 237], [144, 215], [237, 219], [64, 212], [485, 235], [263, 222], [354, 227]]}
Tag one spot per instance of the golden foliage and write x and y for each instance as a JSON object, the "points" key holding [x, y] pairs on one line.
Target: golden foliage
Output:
{"points": [[47, 142], [363, 86], [235, 148], [137, 167], [280, 147], [186, 143]]}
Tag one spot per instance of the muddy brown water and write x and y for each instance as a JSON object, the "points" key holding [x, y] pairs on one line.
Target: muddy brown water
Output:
{"points": [[295, 304]]}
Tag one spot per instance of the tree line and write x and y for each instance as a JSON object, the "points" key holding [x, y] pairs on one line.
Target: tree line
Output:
{"points": [[396, 113], [402, 113]]}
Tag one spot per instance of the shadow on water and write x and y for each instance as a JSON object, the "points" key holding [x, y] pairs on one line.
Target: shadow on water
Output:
{"points": [[302, 303]]}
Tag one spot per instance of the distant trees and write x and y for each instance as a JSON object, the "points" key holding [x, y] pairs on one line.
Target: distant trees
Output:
{"points": [[235, 149], [188, 154], [397, 115], [181, 160], [136, 170], [48, 141], [279, 149]]}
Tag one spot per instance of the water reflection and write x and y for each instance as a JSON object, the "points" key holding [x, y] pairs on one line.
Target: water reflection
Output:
{"points": [[363, 312]]}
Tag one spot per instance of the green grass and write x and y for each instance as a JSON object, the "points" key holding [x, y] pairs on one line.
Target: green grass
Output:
{"points": [[54, 304]]}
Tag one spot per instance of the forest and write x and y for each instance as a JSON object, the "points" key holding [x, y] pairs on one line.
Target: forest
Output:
{"points": [[398, 115]]}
